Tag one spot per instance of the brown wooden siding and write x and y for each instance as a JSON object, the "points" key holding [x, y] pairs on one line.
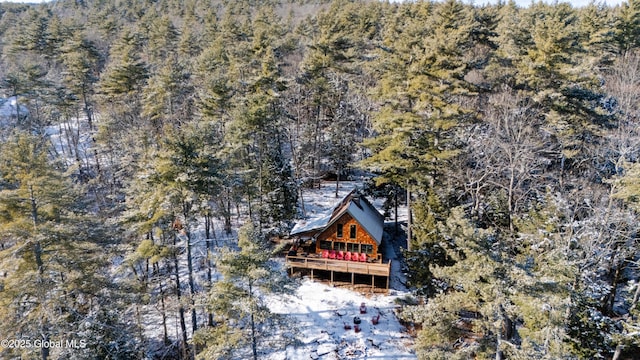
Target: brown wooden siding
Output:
{"points": [[362, 237]]}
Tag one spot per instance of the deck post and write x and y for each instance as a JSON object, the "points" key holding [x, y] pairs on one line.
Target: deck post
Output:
{"points": [[331, 277], [311, 274], [387, 283], [373, 282], [353, 278]]}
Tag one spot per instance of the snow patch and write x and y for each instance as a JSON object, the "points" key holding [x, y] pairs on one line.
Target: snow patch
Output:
{"points": [[8, 108]]}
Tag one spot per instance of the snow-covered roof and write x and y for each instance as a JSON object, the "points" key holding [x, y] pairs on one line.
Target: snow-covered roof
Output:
{"points": [[313, 224], [354, 204], [368, 217]]}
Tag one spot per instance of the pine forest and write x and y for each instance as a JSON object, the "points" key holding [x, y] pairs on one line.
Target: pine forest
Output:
{"points": [[150, 150]]}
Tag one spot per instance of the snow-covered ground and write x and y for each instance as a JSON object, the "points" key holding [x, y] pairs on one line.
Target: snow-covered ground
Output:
{"points": [[320, 313]]}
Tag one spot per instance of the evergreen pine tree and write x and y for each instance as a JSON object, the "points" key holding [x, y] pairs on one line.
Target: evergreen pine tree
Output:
{"points": [[54, 275], [82, 61], [243, 321], [627, 26], [420, 92]]}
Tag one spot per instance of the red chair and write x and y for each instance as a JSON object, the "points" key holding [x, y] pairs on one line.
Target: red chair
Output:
{"points": [[363, 257], [332, 254], [325, 254], [340, 255], [347, 256], [355, 257]]}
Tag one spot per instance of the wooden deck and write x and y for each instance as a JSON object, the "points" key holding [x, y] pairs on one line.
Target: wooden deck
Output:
{"points": [[342, 266]]}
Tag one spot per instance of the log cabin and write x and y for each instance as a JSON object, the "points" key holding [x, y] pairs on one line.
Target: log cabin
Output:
{"points": [[345, 240], [353, 228]]}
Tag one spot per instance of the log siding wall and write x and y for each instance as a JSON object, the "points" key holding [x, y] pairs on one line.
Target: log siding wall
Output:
{"points": [[362, 237]]}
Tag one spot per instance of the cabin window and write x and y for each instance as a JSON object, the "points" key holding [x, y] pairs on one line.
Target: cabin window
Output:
{"points": [[339, 230], [353, 247], [325, 245], [339, 246], [367, 249], [352, 232]]}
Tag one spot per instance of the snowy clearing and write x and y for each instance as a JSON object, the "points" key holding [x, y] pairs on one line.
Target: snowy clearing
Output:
{"points": [[321, 312]]}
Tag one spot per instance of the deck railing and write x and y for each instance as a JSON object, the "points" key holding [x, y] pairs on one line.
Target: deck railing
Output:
{"points": [[378, 269]]}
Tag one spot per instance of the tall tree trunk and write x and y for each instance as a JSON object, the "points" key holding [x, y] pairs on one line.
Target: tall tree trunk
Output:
{"points": [[34, 208], [561, 176], [183, 325], [87, 108], [610, 299], [409, 220], [192, 288], [226, 206], [395, 205], [165, 332], [207, 227], [209, 231], [37, 246], [254, 341], [314, 159], [44, 350], [260, 187], [510, 202], [140, 329], [337, 181], [250, 208], [297, 170], [499, 340], [254, 345], [37, 252], [17, 107]]}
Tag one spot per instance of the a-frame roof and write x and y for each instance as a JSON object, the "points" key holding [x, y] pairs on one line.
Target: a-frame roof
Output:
{"points": [[357, 206]]}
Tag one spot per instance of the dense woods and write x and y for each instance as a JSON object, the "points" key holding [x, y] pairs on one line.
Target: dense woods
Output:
{"points": [[144, 127]]}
